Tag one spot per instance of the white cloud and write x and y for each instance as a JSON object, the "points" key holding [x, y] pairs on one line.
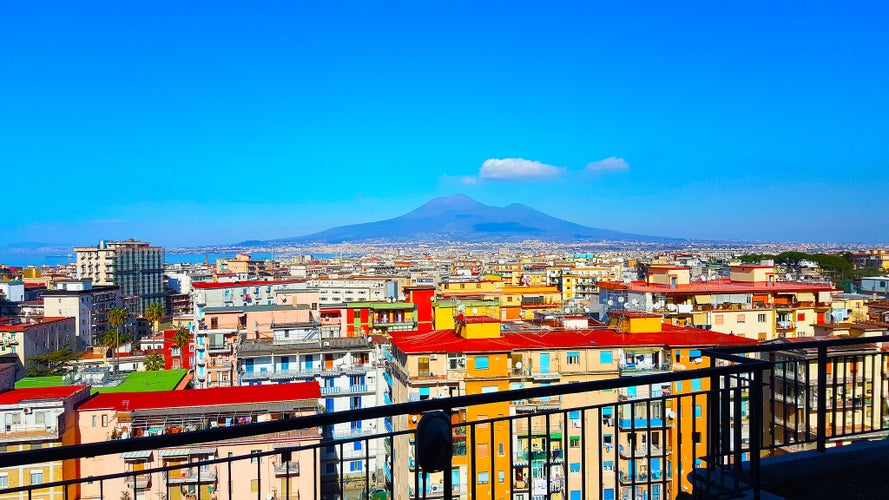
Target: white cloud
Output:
{"points": [[612, 164], [517, 169], [469, 180]]}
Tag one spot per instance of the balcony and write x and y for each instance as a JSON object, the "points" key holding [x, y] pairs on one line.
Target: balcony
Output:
{"points": [[729, 453], [288, 469]]}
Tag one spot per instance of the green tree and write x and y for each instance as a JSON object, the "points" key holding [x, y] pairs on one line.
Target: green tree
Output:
{"points": [[113, 339], [117, 317], [182, 337], [154, 362], [52, 363], [154, 312]]}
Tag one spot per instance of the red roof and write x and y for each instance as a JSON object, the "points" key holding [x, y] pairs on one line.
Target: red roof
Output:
{"points": [[39, 393], [234, 284], [126, 401], [673, 336], [722, 286]]}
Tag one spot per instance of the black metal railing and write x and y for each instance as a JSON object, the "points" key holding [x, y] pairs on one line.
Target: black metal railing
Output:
{"points": [[701, 432]]}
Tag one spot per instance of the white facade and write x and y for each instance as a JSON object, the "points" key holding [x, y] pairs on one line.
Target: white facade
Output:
{"points": [[14, 291]]}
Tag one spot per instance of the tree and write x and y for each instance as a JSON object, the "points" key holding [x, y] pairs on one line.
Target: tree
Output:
{"points": [[154, 312], [113, 339], [117, 317], [182, 337], [154, 362], [51, 364]]}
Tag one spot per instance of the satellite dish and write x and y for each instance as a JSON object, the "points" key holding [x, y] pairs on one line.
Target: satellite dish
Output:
{"points": [[518, 365], [475, 310], [620, 299], [567, 310], [586, 309], [461, 308], [610, 302], [635, 302]]}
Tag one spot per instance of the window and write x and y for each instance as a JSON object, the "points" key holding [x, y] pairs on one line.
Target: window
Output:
{"points": [[254, 459], [717, 319], [606, 357], [329, 469], [678, 386], [678, 356], [4, 480], [481, 362], [501, 476], [761, 318], [104, 420], [254, 485], [501, 451], [608, 465], [456, 361], [481, 449], [423, 366], [573, 358], [801, 317], [36, 476], [482, 478], [356, 446], [741, 319], [574, 467], [356, 465], [697, 411], [696, 384], [95, 421], [486, 389]]}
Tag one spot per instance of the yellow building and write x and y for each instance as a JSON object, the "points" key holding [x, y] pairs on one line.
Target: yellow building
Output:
{"points": [[515, 443]]}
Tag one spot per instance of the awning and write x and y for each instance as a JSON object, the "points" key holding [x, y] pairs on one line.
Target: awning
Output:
{"points": [[703, 299], [136, 455], [184, 452], [555, 435]]}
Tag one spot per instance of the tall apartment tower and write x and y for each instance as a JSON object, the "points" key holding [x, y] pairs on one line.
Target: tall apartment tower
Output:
{"points": [[134, 266]]}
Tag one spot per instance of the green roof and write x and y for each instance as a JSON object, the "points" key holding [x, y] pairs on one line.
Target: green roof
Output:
{"points": [[163, 380], [35, 382]]}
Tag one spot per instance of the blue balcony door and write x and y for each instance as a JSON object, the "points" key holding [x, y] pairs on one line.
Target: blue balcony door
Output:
{"points": [[285, 363], [544, 362], [248, 365]]}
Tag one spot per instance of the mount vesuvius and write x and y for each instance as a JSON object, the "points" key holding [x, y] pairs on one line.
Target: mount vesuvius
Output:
{"points": [[460, 218]]}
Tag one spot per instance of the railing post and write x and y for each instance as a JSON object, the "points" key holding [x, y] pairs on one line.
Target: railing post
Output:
{"points": [[755, 406], [822, 399]]}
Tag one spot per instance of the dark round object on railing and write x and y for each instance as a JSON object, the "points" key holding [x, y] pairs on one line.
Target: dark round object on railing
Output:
{"points": [[433, 445]]}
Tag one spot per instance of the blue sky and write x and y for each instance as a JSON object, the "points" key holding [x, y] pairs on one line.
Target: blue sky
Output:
{"points": [[216, 122]]}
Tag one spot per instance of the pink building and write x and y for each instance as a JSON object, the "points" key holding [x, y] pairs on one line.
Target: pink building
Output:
{"points": [[128, 415]]}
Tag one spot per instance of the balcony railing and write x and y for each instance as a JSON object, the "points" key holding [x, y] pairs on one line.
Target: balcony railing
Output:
{"points": [[717, 437]]}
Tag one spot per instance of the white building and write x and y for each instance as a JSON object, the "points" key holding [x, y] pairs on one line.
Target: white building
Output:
{"points": [[88, 306]]}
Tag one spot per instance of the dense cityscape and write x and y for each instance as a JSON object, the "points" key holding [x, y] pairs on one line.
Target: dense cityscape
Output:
{"points": [[449, 250], [119, 344]]}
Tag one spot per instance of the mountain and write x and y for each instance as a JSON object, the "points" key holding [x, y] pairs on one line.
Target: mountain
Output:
{"points": [[460, 218]]}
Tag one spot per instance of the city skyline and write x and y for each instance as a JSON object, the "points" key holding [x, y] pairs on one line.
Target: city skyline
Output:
{"points": [[214, 123]]}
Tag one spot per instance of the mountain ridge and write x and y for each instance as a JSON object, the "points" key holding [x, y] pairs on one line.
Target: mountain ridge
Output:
{"points": [[461, 218]]}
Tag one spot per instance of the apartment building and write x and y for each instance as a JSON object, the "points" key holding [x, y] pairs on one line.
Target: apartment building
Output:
{"points": [[348, 371], [536, 455], [751, 302], [26, 337], [39, 418], [87, 304], [337, 290], [856, 388], [136, 267], [516, 302], [134, 414]]}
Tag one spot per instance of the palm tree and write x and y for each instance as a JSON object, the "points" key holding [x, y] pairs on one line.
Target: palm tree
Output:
{"points": [[181, 338], [154, 312], [154, 362], [117, 317]]}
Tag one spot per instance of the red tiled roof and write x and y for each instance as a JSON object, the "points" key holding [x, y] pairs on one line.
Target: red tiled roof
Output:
{"points": [[39, 393], [234, 284], [673, 336], [127, 401]]}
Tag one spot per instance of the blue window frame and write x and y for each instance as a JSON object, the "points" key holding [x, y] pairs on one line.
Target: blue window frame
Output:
{"points": [[481, 362], [575, 467]]}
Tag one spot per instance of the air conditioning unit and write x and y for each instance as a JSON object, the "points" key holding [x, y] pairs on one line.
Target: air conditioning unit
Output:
{"points": [[433, 357], [436, 488]]}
